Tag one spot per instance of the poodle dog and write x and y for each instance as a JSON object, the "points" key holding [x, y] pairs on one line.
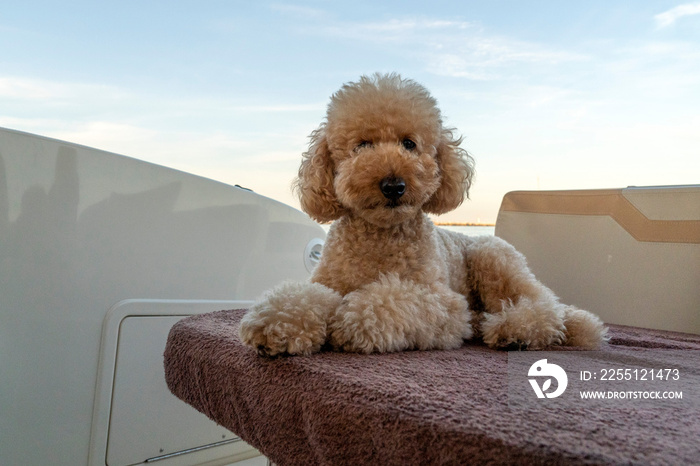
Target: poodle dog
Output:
{"points": [[388, 279]]}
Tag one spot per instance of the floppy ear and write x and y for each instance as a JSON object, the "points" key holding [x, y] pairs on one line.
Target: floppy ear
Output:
{"points": [[456, 171], [314, 185]]}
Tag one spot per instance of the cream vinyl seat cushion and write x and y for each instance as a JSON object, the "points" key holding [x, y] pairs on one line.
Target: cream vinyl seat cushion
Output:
{"points": [[630, 255]]}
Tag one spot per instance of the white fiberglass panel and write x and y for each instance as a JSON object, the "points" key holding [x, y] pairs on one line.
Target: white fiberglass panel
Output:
{"points": [[140, 404], [82, 229]]}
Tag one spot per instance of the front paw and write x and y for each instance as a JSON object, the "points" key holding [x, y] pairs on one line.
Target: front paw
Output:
{"points": [[394, 315], [584, 329], [289, 319], [271, 336], [524, 325], [355, 327]]}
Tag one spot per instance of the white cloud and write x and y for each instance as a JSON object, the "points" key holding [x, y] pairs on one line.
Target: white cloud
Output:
{"points": [[669, 17], [117, 137], [448, 48], [409, 25], [403, 31], [15, 88], [20, 88], [456, 66], [481, 58]]}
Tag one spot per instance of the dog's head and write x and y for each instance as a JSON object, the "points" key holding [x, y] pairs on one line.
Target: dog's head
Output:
{"points": [[383, 154]]}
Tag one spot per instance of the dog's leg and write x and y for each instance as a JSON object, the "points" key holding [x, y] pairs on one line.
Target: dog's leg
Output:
{"points": [[394, 315], [290, 318], [519, 311]]}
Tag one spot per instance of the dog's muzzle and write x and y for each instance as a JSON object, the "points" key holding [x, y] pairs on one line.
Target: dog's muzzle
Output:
{"points": [[392, 188]]}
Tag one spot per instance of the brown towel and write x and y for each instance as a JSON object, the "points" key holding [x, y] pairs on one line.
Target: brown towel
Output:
{"points": [[415, 407]]}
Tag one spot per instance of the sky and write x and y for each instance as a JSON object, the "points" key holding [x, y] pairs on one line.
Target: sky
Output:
{"points": [[547, 94]]}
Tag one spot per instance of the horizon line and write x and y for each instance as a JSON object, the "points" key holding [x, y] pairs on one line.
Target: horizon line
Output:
{"points": [[463, 224]]}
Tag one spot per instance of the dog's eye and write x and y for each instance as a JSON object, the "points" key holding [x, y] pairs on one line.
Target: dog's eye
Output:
{"points": [[363, 144], [408, 144]]}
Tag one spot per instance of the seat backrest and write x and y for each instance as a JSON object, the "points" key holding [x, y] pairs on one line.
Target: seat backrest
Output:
{"points": [[630, 255]]}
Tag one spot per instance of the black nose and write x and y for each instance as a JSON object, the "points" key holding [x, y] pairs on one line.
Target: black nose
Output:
{"points": [[392, 187]]}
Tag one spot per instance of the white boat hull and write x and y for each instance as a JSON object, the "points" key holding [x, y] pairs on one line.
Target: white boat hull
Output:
{"points": [[83, 232]]}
